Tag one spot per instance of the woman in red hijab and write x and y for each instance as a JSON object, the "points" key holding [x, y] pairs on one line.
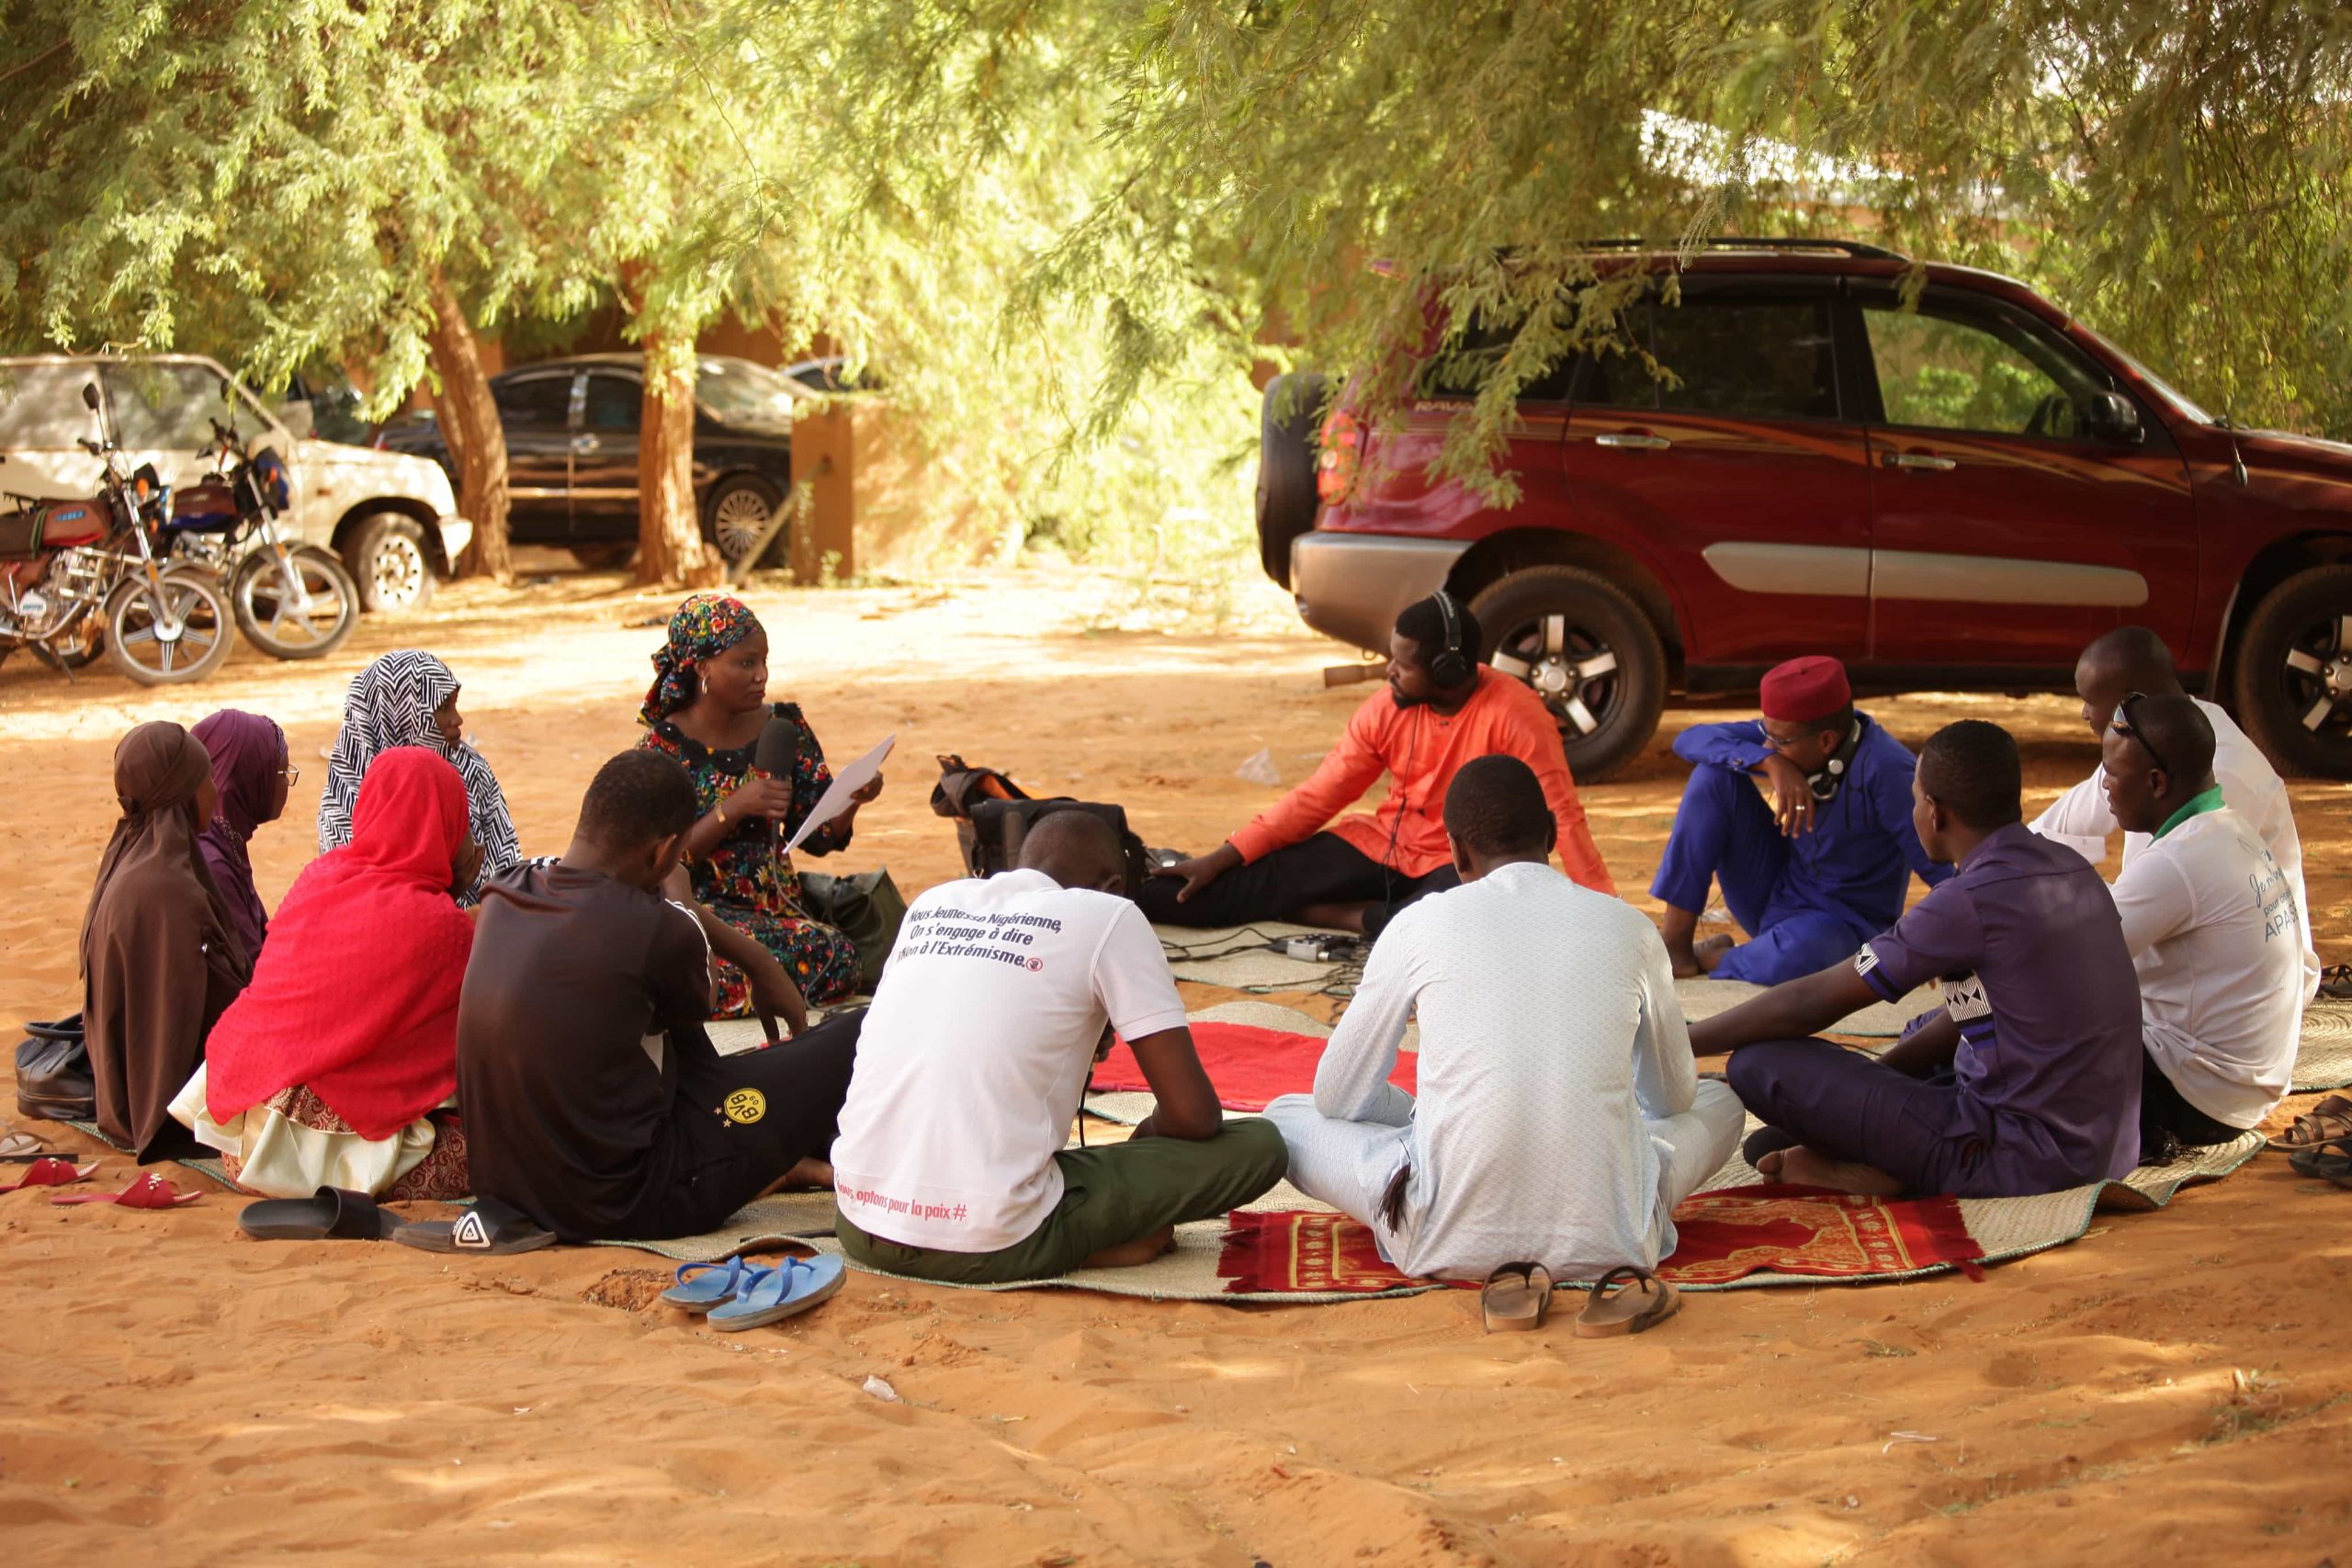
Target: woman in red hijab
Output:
{"points": [[338, 1066]]}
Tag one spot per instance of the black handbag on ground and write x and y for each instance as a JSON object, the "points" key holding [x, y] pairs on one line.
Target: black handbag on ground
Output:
{"points": [[54, 1082], [993, 816], [868, 908]]}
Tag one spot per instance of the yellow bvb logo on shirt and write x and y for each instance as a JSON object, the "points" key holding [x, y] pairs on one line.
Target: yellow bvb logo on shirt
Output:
{"points": [[745, 1106]]}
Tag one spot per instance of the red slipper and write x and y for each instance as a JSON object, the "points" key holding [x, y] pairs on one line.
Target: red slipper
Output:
{"points": [[52, 1171], [150, 1191]]}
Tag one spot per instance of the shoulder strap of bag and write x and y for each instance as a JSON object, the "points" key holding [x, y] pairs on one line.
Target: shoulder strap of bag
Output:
{"points": [[961, 787]]}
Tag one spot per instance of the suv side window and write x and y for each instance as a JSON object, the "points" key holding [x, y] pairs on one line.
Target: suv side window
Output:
{"points": [[534, 402], [1771, 358], [1617, 379], [166, 407], [614, 405], [1940, 370], [336, 405], [1456, 375], [40, 408]]}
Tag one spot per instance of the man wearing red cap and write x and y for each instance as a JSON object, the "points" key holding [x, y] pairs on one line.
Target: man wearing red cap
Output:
{"points": [[1822, 867]]}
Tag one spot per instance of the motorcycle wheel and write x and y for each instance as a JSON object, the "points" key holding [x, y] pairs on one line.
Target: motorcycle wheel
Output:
{"points": [[261, 597], [134, 611]]}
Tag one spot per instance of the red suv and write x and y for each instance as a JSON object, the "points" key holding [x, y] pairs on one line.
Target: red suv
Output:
{"points": [[1957, 496]]}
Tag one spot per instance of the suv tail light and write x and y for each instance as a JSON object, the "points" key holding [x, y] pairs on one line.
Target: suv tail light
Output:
{"points": [[1335, 470]]}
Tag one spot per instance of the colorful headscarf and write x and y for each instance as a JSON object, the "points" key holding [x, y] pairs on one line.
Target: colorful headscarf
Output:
{"points": [[391, 704], [248, 753], [706, 625]]}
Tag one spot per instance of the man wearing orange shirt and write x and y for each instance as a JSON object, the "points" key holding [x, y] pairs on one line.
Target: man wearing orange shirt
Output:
{"points": [[1441, 710]]}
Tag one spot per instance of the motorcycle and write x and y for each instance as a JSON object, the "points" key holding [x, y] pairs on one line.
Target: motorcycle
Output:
{"points": [[291, 600], [73, 573]]}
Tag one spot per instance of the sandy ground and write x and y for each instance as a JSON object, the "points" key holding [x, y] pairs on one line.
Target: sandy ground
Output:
{"points": [[2174, 1386]]}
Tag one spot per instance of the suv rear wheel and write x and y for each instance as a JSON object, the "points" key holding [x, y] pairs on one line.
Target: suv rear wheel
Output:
{"points": [[1286, 458], [1582, 645], [2293, 673]]}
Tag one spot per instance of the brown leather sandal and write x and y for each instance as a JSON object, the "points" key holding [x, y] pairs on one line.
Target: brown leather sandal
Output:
{"points": [[1642, 1301], [1516, 1298], [2323, 1124]]}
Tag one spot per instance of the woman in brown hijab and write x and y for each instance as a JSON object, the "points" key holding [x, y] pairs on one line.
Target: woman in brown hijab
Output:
{"points": [[161, 959]]}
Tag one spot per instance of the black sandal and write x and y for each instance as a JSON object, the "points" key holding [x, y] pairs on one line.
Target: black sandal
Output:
{"points": [[333, 1214], [2330, 1162], [488, 1227]]}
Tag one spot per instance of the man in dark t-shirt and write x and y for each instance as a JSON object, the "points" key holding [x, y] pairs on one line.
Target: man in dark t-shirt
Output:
{"points": [[592, 1098], [2029, 1080]]}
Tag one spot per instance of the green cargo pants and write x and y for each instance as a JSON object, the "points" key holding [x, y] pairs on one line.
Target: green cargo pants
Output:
{"points": [[1110, 1196]]}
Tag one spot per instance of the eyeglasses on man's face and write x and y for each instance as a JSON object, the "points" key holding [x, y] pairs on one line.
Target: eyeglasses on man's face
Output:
{"points": [[2122, 724]]}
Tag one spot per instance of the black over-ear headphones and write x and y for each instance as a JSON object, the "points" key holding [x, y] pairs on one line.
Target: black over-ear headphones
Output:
{"points": [[1450, 665], [1824, 785]]}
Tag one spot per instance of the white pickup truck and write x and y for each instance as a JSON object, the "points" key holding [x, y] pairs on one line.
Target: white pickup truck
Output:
{"points": [[391, 517]]}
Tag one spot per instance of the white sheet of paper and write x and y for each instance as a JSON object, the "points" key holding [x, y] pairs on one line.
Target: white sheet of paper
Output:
{"points": [[846, 782]]}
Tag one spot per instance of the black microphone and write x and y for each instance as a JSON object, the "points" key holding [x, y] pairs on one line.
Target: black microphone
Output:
{"points": [[778, 756]]}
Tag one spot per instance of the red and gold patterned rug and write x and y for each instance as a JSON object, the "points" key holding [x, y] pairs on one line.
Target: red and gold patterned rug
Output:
{"points": [[1724, 1235]]}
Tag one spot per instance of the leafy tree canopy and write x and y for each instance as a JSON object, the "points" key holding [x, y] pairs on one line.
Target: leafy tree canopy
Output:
{"points": [[281, 180], [1064, 230], [2172, 173]]}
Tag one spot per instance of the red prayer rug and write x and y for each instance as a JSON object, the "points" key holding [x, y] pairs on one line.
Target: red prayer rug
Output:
{"points": [[1250, 1065], [1723, 1237]]}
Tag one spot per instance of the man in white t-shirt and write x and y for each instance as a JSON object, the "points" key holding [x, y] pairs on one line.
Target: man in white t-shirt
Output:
{"points": [[2216, 930], [2133, 659], [1560, 1116], [999, 997]]}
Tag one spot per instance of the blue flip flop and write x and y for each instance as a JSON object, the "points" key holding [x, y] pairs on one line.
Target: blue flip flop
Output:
{"points": [[793, 1286], [714, 1285]]}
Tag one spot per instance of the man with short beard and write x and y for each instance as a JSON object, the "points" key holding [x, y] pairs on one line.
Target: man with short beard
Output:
{"points": [[2027, 1080], [2133, 659], [1441, 709], [2217, 933], [1821, 867]]}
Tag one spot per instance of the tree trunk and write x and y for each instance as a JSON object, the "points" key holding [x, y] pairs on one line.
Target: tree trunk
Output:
{"points": [[469, 424], [669, 530]]}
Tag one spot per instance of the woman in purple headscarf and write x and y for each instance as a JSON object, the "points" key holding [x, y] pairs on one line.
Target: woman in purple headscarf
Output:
{"points": [[252, 769]]}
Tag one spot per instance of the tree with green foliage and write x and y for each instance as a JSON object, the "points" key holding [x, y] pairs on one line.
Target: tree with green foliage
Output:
{"points": [[291, 182], [1066, 232], [944, 164], [2173, 171], [670, 158]]}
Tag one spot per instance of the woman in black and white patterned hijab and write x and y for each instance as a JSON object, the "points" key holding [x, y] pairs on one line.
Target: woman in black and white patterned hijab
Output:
{"points": [[409, 698]]}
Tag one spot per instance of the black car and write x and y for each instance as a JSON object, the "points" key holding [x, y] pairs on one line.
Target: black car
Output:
{"points": [[572, 445]]}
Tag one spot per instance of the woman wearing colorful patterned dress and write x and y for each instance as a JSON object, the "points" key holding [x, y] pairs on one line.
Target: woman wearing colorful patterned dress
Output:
{"points": [[706, 708]]}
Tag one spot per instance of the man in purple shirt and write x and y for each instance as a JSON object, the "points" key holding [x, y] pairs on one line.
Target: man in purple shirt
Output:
{"points": [[2029, 1081]]}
